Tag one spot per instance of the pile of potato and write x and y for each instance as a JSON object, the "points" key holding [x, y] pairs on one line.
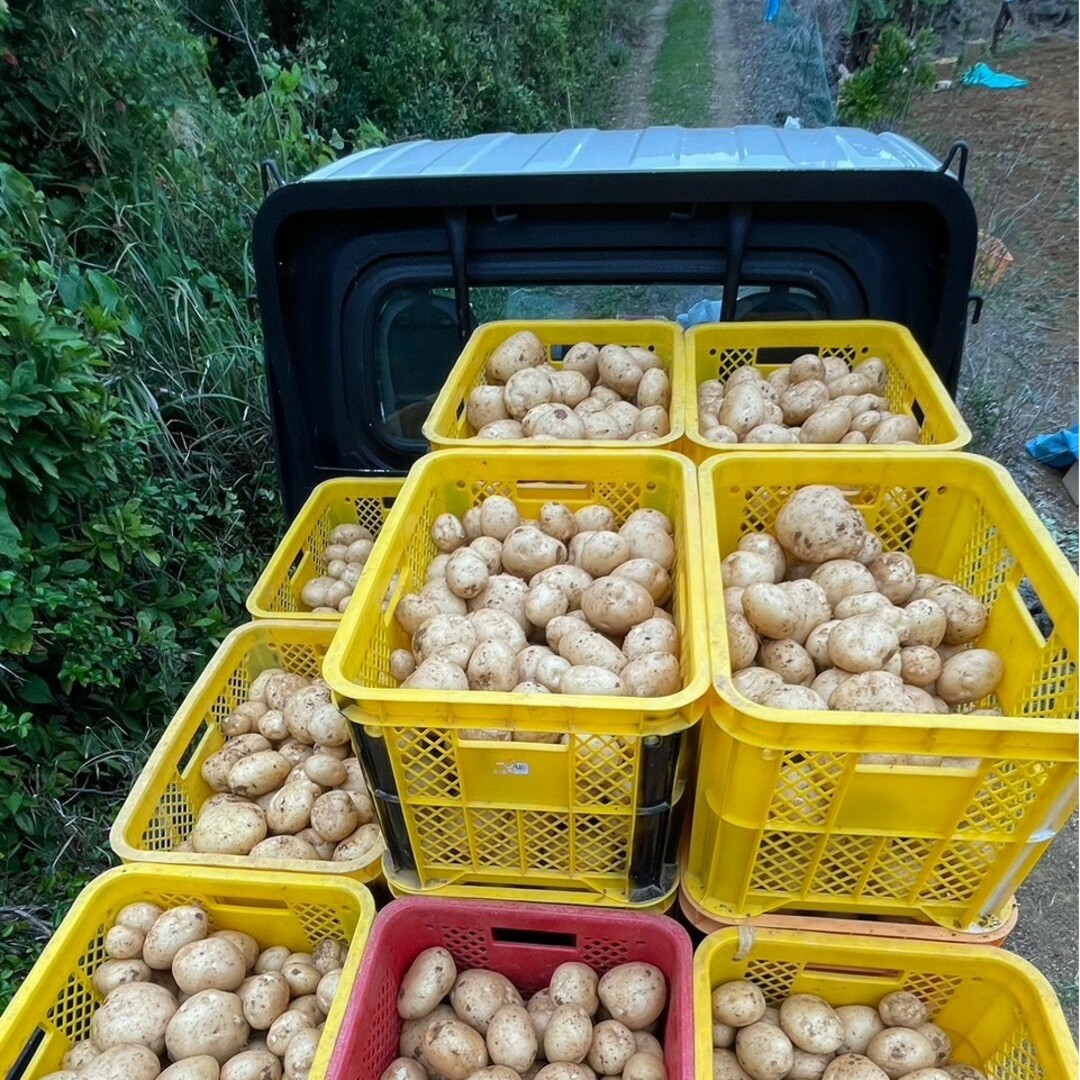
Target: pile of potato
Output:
{"points": [[817, 399], [344, 556], [581, 1027], [807, 1039], [599, 393], [819, 616], [562, 604], [287, 784], [215, 1005]]}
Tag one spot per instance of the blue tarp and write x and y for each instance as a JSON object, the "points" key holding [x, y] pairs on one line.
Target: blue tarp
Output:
{"points": [[981, 75], [704, 311], [1058, 450]]}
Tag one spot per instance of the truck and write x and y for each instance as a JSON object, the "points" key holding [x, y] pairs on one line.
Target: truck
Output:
{"points": [[373, 271]]}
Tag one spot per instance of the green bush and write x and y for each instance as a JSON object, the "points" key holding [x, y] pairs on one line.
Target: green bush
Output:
{"points": [[881, 94]]}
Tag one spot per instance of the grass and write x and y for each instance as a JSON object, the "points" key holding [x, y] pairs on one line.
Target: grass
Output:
{"points": [[683, 71]]}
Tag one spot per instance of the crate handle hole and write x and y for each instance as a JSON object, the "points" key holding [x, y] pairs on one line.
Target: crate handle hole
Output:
{"points": [[250, 902], [22, 1062], [551, 485], [1035, 608], [550, 938], [849, 972]]}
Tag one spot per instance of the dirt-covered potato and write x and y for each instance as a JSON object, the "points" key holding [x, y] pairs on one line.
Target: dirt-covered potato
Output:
{"points": [[478, 994], [568, 1036], [227, 829], [969, 676], [859, 1024], [124, 1062], [817, 524], [811, 1024], [764, 1051], [171, 931], [511, 1038], [430, 977], [518, 352], [898, 1051], [209, 1022], [213, 963], [452, 1049], [200, 1067], [133, 1014], [635, 994]]}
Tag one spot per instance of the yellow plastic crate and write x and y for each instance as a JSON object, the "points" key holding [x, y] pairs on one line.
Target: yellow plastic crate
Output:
{"points": [[161, 809], [447, 427], [1000, 1013], [519, 814], [715, 351], [52, 1008], [789, 815], [298, 558]]}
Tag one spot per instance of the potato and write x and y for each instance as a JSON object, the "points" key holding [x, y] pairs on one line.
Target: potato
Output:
{"points": [[654, 389], [859, 1024], [171, 931], [726, 1065], [902, 1009], [590, 679], [767, 547], [853, 1067], [898, 1051], [252, 1065], [810, 1023], [209, 1022], [437, 674], [300, 1054], [263, 998], [140, 915], [756, 683], [617, 369], [502, 429], [575, 984], [215, 769], [862, 643], [527, 389], [518, 352], [258, 773], [429, 979], [594, 517], [737, 1003], [467, 573], [477, 995], [284, 847], [124, 1062], [124, 942], [511, 1038], [742, 409], [648, 540], [564, 1070], [327, 989], [612, 1047], [485, 405], [771, 433], [615, 604], [871, 691], [651, 636], [503, 592], [635, 994], [894, 429], [763, 1050], [651, 675], [806, 1066], [894, 573], [650, 575], [969, 676], [271, 959], [200, 1067], [919, 665], [720, 434], [964, 1072], [452, 1049], [840, 578], [527, 550], [741, 569], [800, 698], [817, 524], [599, 553], [801, 400], [789, 660], [644, 1067], [817, 644], [133, 1014], [569, 1034], [827, 424], [325, 769], [404, 1068], [491, 667], [113, 973], [806, 368], [583, 357], [231, 829], [211, 964], [329, 728], [965, 617], [742, 641]]}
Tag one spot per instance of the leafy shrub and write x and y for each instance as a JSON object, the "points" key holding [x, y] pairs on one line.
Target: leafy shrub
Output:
{"points": [[880, 94]]}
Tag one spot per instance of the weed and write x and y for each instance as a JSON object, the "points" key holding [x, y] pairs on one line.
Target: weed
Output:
{"points": [[682, 72]]}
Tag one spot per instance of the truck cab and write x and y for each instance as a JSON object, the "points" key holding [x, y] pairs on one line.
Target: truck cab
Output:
{"points": [[373, 271]]}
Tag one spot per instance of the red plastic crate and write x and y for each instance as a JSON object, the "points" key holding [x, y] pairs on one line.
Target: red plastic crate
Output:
{"points": [[524, 942]]}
